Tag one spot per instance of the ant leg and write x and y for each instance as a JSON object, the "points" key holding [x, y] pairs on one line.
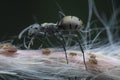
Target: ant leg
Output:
{"points": [[24, 42], [82, 52], [49, 42], [63, 44], [64, 49], [29, 44]]}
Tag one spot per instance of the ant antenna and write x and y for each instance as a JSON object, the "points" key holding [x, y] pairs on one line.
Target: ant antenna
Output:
{"points": [[59, 7], [62, 13]]}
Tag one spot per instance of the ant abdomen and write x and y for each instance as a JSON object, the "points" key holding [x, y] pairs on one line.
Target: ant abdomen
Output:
{"points": [[70, 23]]}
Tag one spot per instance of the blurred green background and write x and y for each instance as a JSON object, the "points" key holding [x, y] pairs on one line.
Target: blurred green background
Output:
{"points": [[15, 15]]}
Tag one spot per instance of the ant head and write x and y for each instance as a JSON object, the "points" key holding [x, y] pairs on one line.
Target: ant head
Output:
{"points": [[33, 29]]}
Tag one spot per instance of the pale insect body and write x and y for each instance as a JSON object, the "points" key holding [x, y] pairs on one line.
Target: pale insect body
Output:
{"points": [[41, 30], [65, 23]]}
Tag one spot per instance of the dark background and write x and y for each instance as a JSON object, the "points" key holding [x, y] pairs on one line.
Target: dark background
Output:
{"points": [[15, 15]]}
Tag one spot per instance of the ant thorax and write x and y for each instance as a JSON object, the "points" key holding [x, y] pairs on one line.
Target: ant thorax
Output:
{"points": [[49, 28]]}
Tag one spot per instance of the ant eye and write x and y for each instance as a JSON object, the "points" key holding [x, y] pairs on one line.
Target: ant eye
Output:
{"points": [[35, 28]]}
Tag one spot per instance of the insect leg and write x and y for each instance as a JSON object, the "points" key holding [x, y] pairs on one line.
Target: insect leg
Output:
{"points": [[24, 42], [64, 49], [82, 52], [22, 32], [77, 39], [29, 43], [63, 44]]}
